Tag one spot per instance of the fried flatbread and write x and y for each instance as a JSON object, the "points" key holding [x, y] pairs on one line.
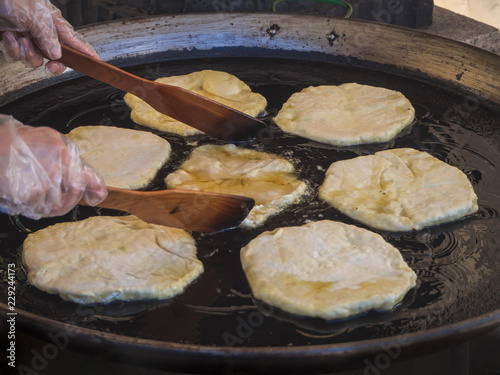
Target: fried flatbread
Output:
{"points": [[103, 258], [345, 115], [126, 158], [221, 87], [228, 169], [326, 269], [399, 190]]}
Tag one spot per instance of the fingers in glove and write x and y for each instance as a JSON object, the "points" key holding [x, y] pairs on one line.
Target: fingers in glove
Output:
{"points": [[43, 29], [95, 191], [21, 49], [33, 17], [54, 68], [11, 46], [81, 176], [68, 177], [70, 197], [29, 53], [68, 36]]}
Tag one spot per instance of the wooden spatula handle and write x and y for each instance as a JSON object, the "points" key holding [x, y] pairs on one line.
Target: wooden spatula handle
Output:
{"points": [[103, 72], [97, 69], [138, 201], [209, 116], [178, 208]]}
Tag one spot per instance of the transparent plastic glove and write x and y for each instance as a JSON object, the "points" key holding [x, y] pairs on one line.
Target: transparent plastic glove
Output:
{"points": [[43, 22], [41, 172]]}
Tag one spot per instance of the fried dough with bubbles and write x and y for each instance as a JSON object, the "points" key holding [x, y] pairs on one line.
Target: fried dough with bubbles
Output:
{"points": [[399, 190], [345, 115], [107, 258], [326, 269], [267, 178], [219, 86], [126, 158]]}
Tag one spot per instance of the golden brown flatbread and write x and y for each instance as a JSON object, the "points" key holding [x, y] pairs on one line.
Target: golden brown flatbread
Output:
{"points": [[104, 258], [399, 190], [126, 158], [219, 86], [345, 115], [326, 269], [228, 169]]}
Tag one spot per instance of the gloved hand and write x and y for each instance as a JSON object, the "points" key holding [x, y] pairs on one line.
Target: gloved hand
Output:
{"points": [[41, 172], [44, 23]]}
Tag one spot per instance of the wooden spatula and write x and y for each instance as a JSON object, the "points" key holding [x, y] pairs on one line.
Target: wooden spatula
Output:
{"points": [[210, 117], [186, 209]]}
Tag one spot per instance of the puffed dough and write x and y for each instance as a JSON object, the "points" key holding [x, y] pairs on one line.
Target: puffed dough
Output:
{"points": [[326, 269], [345, 115], [102, 259], [221, 87], [266, 178], [126, 158], [399, 190]]}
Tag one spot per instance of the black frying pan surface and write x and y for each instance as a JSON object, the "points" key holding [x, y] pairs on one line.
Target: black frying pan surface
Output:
{"points": [[457, 264]]}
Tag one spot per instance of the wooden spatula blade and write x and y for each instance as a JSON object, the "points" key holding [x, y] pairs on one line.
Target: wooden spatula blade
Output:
{"points": [[211, 117], [186, 209]]}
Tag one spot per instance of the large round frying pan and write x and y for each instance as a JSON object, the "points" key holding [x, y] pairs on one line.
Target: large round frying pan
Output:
{"points": [[216, 324]]}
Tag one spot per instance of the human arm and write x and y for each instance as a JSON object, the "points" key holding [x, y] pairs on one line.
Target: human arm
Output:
{"points": [[41, 172], [35, 27]]}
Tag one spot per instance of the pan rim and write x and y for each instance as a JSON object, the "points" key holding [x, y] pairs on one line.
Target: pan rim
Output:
{"points": [[481, 324], [460, 331], [454, 62]]}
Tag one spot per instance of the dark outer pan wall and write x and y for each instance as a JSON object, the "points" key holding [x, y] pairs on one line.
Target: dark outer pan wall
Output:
{"points": [[351, 42], [436, 315], [293, 360]]}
